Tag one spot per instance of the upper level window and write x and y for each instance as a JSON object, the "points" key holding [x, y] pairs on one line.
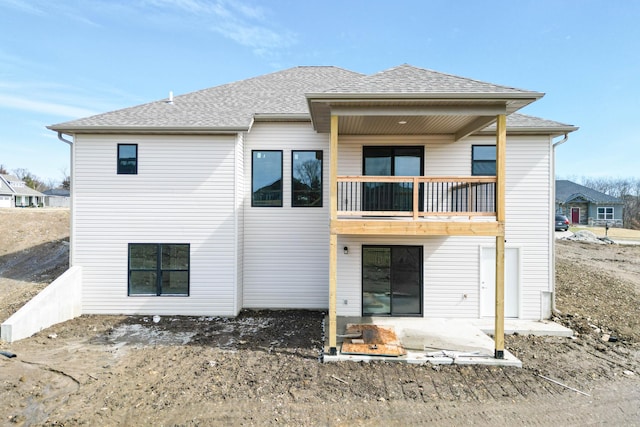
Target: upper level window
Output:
{"points": [[306, 178], [605, 213], [266, 178], [158, 269], [483, 160], [127, 159]]}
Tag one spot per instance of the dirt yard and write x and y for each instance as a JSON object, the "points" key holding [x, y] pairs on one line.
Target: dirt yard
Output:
{"points": [[262, 368]]}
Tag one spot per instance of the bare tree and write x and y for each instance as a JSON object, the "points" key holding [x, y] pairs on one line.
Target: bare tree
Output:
{"points": [[29, 179], [66, 179]]}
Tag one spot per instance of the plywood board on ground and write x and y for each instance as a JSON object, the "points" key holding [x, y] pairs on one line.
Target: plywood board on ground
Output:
{"points": [[376, 340]]}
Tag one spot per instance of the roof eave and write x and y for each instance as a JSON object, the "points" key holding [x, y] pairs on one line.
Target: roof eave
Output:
{"points": [[139, 130], [516, 130], [398, 96]]}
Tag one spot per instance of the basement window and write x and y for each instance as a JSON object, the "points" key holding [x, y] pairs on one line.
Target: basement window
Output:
{"points": [[158, 269]]}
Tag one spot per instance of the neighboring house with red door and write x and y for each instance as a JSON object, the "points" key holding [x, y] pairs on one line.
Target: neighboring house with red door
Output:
{"points": [[390, 194], [15, 193], [586, 206]]}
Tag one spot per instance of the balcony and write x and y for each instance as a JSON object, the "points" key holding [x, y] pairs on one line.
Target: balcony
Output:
{"points": [[459, 205]]}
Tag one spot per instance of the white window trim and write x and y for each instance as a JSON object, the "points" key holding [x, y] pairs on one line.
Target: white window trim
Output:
{"points": [[602, 213]]}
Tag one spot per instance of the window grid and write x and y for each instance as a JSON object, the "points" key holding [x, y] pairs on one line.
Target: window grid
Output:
{"points": [[605, 213]]}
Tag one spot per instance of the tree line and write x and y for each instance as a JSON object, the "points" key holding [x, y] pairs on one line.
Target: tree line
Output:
{"points": [[32, 181], [626, 189]]}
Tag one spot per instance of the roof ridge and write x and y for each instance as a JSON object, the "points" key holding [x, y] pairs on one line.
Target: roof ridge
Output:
{"points": [[406, 65]]}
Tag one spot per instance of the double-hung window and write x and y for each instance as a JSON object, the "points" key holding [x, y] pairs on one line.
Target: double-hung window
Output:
{"points": [[306, 178], [266, 178], [605, 213], [158, 269], [127, 159], [483, 160]]}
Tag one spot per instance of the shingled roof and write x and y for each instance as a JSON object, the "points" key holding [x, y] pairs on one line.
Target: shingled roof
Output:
{"points": [[566, 191], [407, 79], [523, 123], [230, 107], [233, 107]]}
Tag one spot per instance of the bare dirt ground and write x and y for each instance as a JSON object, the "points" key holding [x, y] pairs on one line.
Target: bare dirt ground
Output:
{"points": [[262, 368]]}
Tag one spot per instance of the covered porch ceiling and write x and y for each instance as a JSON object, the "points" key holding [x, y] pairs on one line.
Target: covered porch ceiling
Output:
{"points": [[455, 117]]}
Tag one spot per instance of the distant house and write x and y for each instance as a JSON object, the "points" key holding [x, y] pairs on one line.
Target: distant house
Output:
{"points": [[15, 193], [584, 205], [57, 198]]}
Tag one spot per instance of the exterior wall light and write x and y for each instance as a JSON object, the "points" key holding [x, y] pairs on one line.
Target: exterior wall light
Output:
{"points": [[346, 250]]}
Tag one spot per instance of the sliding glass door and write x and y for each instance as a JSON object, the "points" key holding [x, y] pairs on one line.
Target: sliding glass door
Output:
{"points": [[390, 161], [392, 280]]}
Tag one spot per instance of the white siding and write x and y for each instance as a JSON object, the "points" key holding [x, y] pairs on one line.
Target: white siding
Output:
{"points": [[183, 193], [286, 250], [451, 265]]}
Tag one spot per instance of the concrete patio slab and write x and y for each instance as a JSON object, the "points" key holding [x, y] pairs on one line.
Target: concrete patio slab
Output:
{"points": [[444, 341]]}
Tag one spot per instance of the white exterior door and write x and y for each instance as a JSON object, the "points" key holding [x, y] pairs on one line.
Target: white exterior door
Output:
{"points": [[488, 282]]}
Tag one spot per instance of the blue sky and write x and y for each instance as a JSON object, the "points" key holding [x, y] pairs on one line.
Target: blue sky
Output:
{"points": [[66, 59]]}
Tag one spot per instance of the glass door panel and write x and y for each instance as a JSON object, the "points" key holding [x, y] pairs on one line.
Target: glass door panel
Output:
{"points": [[391, 280], [391, 161], [406, 280], [376, 281]]}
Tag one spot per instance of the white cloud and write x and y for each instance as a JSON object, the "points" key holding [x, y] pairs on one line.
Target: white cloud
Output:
{"points": [[51, 108], [244, 24], [22, 6]]}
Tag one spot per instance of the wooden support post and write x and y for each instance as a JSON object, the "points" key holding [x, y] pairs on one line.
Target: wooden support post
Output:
{"points": [[501, 142], [333, 238], [499, 325]]}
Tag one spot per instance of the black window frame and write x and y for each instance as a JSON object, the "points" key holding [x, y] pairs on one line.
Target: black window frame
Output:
{"points": [[158, 270], [125, 169], [388, 190], [421, 276], [474, 161], [319, 156], [253, 191]]}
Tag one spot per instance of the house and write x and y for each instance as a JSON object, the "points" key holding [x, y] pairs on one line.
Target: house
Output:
{"points": [[408, 192], [584, 205], [15, 193], [57, 198]]}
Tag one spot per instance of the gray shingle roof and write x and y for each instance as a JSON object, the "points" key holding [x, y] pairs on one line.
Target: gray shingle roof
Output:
{"points": [[4, 188], [568, 190], [233, 106], [518, 121], [57, 192], [406, 78], [21, 190]]}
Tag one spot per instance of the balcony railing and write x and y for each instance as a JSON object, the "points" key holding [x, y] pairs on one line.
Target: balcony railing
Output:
{"points": [[420, 196]]}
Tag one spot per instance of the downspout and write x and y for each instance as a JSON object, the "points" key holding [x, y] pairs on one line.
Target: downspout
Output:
{"points": [[64, 140], [71, 195], [553, 240]]}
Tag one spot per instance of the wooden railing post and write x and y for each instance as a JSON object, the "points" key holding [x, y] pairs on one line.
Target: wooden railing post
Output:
{"points": [[416, 198]]}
